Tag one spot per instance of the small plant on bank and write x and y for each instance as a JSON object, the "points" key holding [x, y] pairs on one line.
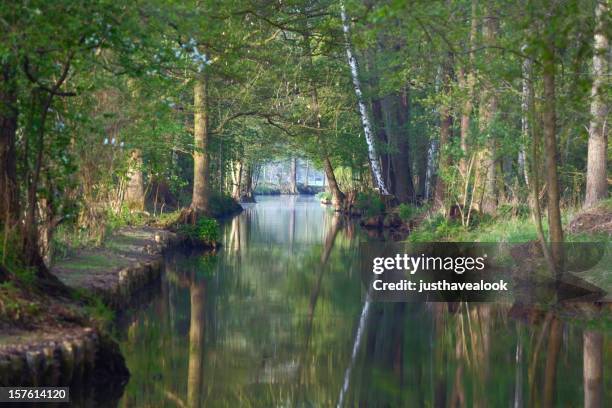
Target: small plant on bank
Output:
{"points": [[370, 204], [204, 231], [407, 212], [324, 196]]}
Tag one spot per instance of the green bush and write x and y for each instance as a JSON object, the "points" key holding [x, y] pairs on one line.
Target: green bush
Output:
{"points": [[370, 204], [407, 212], [324, 196], [222, 204], [263, 189], [438, 228], [205, 230]]}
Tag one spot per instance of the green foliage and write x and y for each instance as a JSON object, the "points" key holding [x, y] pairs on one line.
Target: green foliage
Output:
{"points": [[324, 196], [8, 258], [125, 217], [93, 306], [15, 305], [221, 205], [205, 230], [263, 189], [408, 211], [370, 204]]}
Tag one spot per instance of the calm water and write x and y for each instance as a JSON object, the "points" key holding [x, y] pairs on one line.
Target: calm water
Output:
{"points": [[277, 319]]}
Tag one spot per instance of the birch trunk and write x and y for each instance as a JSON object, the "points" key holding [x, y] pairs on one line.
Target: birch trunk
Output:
{"points": [[597, 184], [293, 177], [430, 172], [236, 180], [525, 125], [363, 112]]}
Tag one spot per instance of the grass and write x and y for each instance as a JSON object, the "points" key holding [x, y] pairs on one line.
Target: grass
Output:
{"points": [[407, 212], [93, 306], [92, 261], [505, 228]]}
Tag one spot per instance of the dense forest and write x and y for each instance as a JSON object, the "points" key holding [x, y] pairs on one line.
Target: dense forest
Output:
{"points": [[474, 107], [477, 120]]}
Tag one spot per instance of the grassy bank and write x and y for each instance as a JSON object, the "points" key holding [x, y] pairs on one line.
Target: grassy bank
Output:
{"points": [[508, 227]]}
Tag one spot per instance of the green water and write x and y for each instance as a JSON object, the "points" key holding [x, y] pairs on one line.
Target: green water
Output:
{"points": [[276, 319]]}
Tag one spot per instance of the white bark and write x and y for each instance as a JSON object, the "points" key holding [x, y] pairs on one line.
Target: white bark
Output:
{"points": [[525, 129], [356, 346], [363, 112], [431, 166]]}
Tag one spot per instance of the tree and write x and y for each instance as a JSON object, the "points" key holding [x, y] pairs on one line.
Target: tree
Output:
{"points": [[201, 170], [363, 111], [9, 188], [597, 169], [549, 123]]}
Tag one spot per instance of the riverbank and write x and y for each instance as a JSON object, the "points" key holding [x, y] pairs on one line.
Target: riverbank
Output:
{"points": [[61, 338], [130, 260]]}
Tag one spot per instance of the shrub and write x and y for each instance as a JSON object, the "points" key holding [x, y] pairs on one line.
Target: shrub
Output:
{"points": [[407, 211], [205, 230], [222, 204], [263, 189], [324, 196], [370, 204]]}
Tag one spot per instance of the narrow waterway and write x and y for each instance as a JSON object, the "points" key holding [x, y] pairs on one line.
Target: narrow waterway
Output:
{"points": [[276, 319]]}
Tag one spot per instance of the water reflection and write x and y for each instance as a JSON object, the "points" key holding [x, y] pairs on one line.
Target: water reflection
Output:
{"points": [[273, 319]]}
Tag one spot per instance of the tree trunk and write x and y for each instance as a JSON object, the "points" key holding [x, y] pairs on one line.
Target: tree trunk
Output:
{"points": [[468, 80], [597, 184], [489, 111], [337, 195], [432, 153], [199, 200], [9, 189], [293, 177], [445, 134], [247, 184], [307, 173], [134, 195], [395, 108], [363, 112], [593, 369], [550, 129], [236, 180], [525, 122], [446, 122]]}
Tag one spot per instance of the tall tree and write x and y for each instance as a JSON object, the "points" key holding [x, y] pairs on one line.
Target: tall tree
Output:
{"points": [[201, 169], [9, 188], [488, 114], [549, 122], [597, 169], [379, 181]]}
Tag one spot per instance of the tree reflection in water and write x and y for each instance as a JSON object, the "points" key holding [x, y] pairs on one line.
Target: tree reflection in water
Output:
{"points": [[271, 320]]}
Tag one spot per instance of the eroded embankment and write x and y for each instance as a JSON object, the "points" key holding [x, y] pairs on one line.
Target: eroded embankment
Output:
{"points": [[58, 344]]}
